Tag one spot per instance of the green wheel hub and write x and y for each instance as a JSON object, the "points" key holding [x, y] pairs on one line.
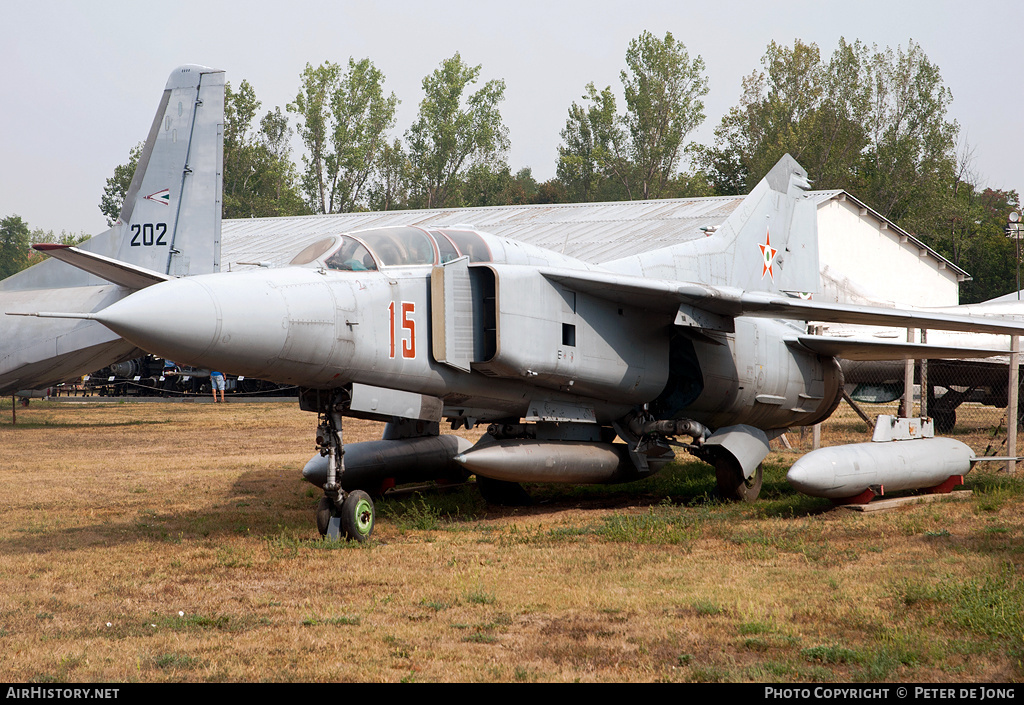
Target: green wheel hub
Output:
{"points": [[357, 516]]}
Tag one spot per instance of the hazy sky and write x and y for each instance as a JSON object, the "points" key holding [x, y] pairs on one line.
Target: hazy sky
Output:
{"points": [[81, 80]]}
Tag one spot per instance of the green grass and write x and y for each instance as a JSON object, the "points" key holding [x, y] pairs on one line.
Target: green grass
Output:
{"points": [[340, 621]]}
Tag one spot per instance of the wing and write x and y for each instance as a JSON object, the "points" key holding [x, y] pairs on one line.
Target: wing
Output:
{"points": [[712, 308], [877, 350]]}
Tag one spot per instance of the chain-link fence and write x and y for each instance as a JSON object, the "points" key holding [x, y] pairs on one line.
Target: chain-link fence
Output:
{"points": [[967, 400]]}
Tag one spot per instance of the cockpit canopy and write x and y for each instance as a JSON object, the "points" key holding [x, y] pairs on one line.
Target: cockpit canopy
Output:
{"points": [[367, 250]]}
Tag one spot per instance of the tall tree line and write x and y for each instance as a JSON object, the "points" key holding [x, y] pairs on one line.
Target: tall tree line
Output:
{"points": [[871, 121]]}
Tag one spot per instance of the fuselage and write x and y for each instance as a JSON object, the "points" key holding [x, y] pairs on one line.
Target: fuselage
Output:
{"points": [[471, 319]]}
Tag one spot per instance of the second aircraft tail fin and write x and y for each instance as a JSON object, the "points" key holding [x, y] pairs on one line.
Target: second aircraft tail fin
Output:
{"points": [[171, 217], [170, 221]]}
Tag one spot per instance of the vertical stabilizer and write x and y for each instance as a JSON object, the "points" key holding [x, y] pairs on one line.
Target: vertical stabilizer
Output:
{"points": [[171, 218], [769, 243]]}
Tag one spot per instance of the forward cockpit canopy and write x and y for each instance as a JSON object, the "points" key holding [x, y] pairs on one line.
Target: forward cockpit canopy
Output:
{"points": [[367, 250]]}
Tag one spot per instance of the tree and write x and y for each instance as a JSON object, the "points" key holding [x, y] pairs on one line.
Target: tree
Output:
{"points": [[259, 177], [635, 155], [14, 245], [279, 175], [453, 134], [488, 186], [871, 122], [117, 185], [912, 144], [345, 120], [973, 236], [875, 123], [664, 92], [40, 236], [799, 106], [592, 144], [390, 190]]}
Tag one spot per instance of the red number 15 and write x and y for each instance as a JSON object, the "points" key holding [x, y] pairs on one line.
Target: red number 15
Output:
{"points": [[408, 345]]}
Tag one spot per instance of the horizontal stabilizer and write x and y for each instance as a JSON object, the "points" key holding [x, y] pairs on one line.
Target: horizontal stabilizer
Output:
{"points": [[875, 350], [121, 273]]}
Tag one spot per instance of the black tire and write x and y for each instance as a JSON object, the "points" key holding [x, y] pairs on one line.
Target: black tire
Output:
{"points": [[503, 493], [357, 516], [323, 515], [945, 420], [732, 486]]}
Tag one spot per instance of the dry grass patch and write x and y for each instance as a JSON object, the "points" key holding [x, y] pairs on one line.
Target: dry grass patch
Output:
{"points": [[176, 542]]}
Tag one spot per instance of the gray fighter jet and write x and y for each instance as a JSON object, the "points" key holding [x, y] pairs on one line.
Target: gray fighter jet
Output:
{"points": [[169, 226], [699, 346]]}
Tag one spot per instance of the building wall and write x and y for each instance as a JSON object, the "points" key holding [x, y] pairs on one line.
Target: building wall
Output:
{"points": [[861, 261]]}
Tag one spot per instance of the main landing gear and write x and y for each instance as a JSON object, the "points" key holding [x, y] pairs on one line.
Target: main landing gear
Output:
{"points": [[340, 514], [732, 486]]}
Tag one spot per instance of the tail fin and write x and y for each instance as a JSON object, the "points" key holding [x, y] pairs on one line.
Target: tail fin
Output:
{"points": [[171, 218], [769, 243]]}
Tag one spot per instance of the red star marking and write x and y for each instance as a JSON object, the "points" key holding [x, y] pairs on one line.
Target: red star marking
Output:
{"points": [[768, 253]]}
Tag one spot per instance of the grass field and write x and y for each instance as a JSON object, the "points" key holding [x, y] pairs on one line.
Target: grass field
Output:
{"points": [[176, 542]]}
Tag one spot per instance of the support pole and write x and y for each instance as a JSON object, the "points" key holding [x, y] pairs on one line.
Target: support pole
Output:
{"points": [[1011, 410], [860, 412], [924, 378], [908, 382], [816, 429]]}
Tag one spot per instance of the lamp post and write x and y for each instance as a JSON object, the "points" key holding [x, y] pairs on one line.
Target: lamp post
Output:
{"points": [[1015, 229]]}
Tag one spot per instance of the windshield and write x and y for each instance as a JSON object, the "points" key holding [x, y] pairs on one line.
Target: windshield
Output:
{"points": [[351, 257], [312, 252], [399, 246], [470, 244]]}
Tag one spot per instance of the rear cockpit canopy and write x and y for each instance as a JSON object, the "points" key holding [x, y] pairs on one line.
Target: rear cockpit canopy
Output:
{"points": [[366, 250]]}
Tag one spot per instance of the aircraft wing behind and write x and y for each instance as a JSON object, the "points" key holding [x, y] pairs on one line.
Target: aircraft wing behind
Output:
{"points": [[124, 274], [878, 350], [694, 302]]}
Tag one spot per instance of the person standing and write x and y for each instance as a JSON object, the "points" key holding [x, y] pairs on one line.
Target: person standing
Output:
{"points": [[217, 383]]}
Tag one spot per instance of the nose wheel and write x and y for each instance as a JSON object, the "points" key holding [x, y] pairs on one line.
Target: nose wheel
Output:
{"points": [[352, 522]]}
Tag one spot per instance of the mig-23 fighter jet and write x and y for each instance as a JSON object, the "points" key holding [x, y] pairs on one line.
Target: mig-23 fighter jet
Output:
{"points": [[703, 341]]}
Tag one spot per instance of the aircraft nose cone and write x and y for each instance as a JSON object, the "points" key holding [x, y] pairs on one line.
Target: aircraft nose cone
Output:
{"points": [[279, 325], [177, 320]]}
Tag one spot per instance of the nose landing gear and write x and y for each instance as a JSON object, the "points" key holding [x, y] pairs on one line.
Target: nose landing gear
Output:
{"points": [[340, 514]]}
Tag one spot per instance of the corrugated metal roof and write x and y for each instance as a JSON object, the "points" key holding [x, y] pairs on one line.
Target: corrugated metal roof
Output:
{"points": [[592, 232]]}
